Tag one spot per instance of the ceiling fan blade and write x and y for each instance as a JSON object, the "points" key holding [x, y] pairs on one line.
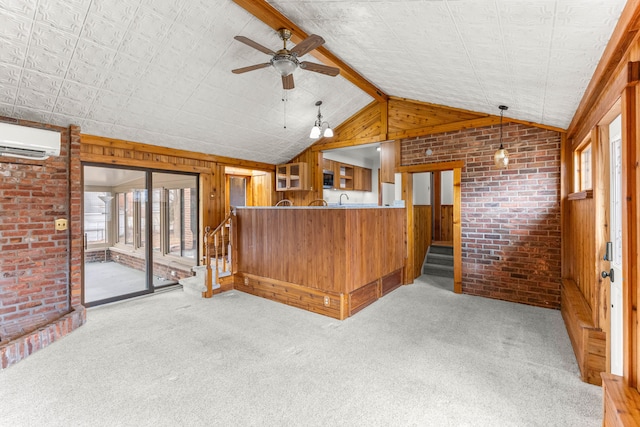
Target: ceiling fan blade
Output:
{"points": [[319, 68], [307, 45], [287, 82], [250, 68], [254, 45]]}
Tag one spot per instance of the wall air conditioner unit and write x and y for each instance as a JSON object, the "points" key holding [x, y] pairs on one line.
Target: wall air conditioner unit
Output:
{"points": [[28, 143]]}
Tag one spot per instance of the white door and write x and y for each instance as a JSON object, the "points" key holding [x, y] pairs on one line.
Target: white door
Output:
{"points": [[615, 181]]}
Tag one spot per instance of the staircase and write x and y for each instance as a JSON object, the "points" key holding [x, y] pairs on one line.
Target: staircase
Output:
{"points": [[438, 261], [196, 285]]}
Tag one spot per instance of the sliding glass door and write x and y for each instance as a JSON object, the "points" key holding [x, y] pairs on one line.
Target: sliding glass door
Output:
{"points": [[141, 231]]}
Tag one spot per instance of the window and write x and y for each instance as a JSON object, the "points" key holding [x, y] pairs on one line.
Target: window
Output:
{"points": [[583, 167]]}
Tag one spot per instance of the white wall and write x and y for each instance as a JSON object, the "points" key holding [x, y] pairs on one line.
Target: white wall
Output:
{"points": [[422, 188], [332, 196], [446, 188]]}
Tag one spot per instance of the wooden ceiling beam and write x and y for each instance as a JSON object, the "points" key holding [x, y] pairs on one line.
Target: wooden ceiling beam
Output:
{"points": [[276, 20]]}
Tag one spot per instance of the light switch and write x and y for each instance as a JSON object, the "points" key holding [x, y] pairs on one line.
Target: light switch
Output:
{"points": [[61, 224]]}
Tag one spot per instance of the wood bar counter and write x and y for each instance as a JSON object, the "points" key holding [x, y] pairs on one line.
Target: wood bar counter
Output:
{"points": [[329, 260]]}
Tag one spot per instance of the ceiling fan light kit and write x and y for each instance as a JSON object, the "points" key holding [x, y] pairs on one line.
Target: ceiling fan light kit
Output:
{"points": [[285, 61]]}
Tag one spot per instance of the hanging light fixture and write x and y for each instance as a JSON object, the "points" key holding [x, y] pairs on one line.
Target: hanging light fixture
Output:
{"points": [[501, 157], [316, 130]]}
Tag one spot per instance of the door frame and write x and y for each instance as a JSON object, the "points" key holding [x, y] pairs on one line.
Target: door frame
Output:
{"points": [[407, 194]]}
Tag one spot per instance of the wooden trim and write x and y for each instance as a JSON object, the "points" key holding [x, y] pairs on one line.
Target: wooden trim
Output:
{"points": [[436, 212], [457, 230], [266, 13], [621, 403], [119, 161], [407, 196], [430, 130], [432, 167], [622, 37], [157, 150], [347, 143], [581, 195], [630, 238]]}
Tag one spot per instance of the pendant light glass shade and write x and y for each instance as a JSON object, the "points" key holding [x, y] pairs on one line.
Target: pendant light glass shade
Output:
{"points": [[501, 157], [315, 132]]}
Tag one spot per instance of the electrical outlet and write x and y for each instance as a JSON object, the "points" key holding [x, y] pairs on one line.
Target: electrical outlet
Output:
{"points": [[327, 301], [61, 224], [173, 273], [246, 281]]}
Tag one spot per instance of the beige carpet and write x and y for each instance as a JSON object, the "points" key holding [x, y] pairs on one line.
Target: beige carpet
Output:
{"points": [[421, 356]]}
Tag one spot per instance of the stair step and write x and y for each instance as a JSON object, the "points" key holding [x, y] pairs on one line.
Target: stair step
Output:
{"points": [[439, 259], [438, 270], [443, 250]]}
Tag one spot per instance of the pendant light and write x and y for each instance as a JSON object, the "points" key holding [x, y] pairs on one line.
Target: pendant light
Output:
{"points": [[316, 130], [501, 157]]}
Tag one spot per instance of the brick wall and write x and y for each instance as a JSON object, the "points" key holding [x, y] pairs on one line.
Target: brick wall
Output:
{"points": [[36, 261], [510, 218]]}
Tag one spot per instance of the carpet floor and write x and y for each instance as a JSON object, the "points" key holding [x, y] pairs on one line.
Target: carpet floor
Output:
{"points": [[420, 356]]}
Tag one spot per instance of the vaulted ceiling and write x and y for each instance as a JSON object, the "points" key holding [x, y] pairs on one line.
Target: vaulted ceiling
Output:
{"points": [[159, 71]]}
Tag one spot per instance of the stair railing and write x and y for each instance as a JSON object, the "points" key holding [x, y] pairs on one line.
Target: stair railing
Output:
{"points": [[222, 238]]}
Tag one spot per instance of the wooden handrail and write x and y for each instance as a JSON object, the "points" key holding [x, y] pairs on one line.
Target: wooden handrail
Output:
{"points": [[219, 242]]}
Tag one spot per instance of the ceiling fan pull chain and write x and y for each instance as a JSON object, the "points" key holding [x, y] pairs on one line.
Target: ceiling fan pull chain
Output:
{"points": [[284, 109]]}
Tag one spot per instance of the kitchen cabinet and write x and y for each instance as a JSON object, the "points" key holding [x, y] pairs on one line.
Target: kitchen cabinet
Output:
{"points": [[292, 177], [328, 165], [343, 176], [388, 162], [361, 179]]}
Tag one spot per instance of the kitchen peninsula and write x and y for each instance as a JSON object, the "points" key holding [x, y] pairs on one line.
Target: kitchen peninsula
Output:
{"points": [[329, 260]]}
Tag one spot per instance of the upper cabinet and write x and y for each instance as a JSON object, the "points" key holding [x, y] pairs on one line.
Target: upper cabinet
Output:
{"points": [[361, 179], [343, 178], [292, 177], [388, 162]]}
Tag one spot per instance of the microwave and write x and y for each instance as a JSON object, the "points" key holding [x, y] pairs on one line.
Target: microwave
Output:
{"points": [[327, 179]]}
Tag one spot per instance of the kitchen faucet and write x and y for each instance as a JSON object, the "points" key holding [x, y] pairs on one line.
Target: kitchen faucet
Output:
{"points": [[343, 194]]}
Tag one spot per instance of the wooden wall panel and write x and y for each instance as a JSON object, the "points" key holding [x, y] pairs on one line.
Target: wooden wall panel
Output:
{"points": [[580, 247], [366, 123], [406, 114], [421, 235], [333, 250], [446, 223]]}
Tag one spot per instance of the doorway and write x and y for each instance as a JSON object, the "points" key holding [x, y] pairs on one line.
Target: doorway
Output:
{"points": [[140, 231], [408, 181]]}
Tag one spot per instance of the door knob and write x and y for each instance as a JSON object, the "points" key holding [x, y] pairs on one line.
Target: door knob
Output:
{"points": [[609, 275]]}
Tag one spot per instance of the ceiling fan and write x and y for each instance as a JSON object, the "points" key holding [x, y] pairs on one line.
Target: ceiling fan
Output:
{"points": [[285, 61]]}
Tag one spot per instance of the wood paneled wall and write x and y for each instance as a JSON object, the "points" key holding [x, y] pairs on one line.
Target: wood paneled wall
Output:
{"points": [[333, 250], [446, 223], [421, 235], [580, 249]]}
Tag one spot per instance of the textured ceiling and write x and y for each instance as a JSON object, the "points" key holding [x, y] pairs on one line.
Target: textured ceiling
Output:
{"points": [[158, 71]]}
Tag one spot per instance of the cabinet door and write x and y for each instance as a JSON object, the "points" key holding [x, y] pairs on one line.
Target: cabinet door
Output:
{"points": [[327, 165], [387, 162], [282, 177], [292, 177], [361, 179]]}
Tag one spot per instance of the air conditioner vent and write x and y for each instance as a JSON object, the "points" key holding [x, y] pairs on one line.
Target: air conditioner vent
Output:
{"points": [[23, 153]]}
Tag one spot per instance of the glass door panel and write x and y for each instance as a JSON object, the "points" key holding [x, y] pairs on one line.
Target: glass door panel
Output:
{"points": [[115, 256], [174, 225]]}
